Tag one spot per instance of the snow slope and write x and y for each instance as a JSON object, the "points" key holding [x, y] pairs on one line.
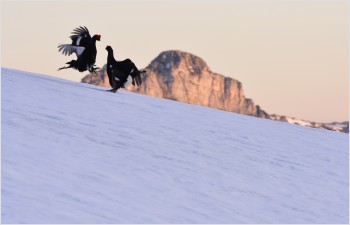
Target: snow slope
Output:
{"points": [[74, 153]]}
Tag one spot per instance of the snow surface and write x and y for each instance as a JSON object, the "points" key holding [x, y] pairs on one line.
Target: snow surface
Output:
{"points": [[74, 153]]}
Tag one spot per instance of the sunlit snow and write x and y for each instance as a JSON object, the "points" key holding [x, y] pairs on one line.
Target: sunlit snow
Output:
{"points": [[74, 153]]}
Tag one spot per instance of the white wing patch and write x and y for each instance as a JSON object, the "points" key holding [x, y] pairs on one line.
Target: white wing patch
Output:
{"points": [[78, 40], [68, 49], [128, 81], [79, 50]]}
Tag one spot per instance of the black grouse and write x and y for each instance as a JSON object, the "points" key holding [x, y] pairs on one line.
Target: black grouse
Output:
{"points": [[84, 46], [121, 73]]}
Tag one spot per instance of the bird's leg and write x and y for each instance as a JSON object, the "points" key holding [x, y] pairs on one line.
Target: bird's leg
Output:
{"points": [[114, 87], [65, 67], [71, 64]]}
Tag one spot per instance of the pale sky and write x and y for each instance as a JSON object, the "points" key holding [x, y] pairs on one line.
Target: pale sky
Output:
{"points": [[290, 55]]}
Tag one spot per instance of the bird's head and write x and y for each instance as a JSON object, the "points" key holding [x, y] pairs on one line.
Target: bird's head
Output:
{"points": [[109, 48], [97, 37]]}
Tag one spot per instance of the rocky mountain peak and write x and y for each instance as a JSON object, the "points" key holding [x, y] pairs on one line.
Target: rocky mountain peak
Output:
{"points": [[168, 61], [184, 77]]}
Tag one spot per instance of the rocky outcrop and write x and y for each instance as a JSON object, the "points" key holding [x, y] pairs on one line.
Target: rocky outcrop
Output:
{"points": [[184, 77], [98, 79]]}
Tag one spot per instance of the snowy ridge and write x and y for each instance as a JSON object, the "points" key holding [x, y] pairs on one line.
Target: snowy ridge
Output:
{"points": [[334, 126], [74, 153]]}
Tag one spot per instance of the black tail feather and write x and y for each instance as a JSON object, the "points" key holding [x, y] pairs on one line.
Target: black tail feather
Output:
{"points": [[137, 77], [138, 80]]}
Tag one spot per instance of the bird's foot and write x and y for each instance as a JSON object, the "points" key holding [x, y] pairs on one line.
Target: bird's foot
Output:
{"points": [[93, 69]]}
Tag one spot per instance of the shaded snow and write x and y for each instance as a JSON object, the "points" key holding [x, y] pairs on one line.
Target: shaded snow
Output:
{"points": [[74, 153]]}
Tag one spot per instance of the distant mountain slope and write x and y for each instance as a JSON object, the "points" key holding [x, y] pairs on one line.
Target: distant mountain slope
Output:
{"points": [[184, 77], [187, 78], [74, 153], [335, 126]]}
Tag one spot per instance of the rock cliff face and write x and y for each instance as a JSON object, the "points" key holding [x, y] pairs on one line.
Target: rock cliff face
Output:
{"points": [[187, 78]]}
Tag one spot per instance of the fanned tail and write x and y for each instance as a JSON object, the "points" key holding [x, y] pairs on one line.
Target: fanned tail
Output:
{"points": [[137, 78]]}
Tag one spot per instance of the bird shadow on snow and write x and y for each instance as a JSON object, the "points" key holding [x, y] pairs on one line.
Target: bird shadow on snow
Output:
{"points": [[94, 88], [103, 90]]}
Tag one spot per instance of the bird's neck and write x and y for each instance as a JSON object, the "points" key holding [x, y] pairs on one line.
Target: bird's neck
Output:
{"points": [[92, 42], [110, 57]]}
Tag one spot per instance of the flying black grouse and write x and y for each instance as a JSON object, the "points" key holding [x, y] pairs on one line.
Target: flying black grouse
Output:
{"points": [[121, 73], [84, 46]]}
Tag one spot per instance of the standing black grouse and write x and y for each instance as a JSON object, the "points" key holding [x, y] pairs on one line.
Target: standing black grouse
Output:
{"points": [[121, 73], [84, 46]]}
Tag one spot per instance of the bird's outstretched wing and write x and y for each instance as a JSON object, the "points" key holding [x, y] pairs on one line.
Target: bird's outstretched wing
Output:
{"points": [[80, 36], [68, 49]]}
